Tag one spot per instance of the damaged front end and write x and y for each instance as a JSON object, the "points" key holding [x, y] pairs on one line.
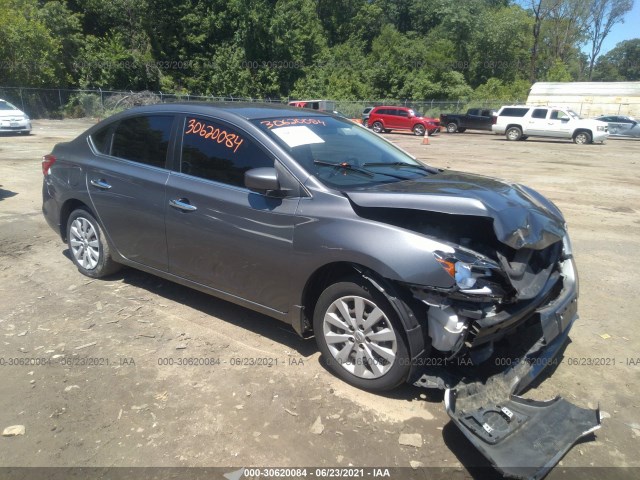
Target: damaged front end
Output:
{"points": [[496, 299], [502, 318]]}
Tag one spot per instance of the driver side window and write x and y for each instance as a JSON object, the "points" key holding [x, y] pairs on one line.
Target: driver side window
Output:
{"points": [[216, 151]]}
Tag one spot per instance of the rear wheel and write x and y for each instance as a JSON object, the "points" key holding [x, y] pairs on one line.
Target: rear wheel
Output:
{"points": [[377, 127], [88, 246], [418, 130], [513, 133], [452, 127], [582, 138], [360, 335]]}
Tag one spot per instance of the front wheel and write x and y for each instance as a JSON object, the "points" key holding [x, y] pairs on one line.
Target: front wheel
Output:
{"points": [[418, 130], [452, 127], [513, 133], [582, 138], [360, 336], [377, 127], [88, 246]]}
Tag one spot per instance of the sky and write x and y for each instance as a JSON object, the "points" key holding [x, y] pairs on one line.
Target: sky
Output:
{"points": [[622, 31]]}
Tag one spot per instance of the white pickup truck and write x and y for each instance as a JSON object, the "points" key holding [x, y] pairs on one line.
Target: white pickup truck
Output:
{"points": [[518, 122]]}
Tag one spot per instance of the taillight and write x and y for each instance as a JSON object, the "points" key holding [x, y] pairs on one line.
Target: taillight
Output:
{"points": [[494, 119], [47, 163]]}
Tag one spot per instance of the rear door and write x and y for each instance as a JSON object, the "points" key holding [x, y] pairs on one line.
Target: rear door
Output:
{"points": [[390, 118], [219, 233], [126, 183], [537, 122], [403, 120]]}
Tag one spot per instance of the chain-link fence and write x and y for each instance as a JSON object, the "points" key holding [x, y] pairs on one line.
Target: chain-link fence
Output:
{"points": [[63, 103]]}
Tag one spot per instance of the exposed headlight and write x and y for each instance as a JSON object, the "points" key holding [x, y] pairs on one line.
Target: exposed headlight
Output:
{"points": [[463, 276], [601, 128], [465, 271]]}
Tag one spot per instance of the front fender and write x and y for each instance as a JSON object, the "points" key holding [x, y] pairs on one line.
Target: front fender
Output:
{"points": [[332, 232]]}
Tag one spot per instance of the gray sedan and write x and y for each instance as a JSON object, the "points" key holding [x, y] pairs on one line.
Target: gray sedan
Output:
{"points": [[318, 222], [402, 272], [621, 125]]}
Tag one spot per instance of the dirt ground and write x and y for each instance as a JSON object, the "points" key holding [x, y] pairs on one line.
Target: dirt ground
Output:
{"points": [[90, 367]]}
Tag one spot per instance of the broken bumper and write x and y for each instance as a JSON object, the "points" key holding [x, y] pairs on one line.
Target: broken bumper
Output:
{"points": [[523, 438]]}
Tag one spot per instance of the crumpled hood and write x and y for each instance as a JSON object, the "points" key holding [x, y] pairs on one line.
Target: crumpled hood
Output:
{"points": [[521, 216]]}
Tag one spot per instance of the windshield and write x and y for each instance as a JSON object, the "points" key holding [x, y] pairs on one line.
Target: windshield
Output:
{"points": [[574, 114], [4, 105], [340, 153]]}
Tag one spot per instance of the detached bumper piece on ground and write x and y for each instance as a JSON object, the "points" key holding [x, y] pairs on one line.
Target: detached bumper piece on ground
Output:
{"points": [[521, 438]]}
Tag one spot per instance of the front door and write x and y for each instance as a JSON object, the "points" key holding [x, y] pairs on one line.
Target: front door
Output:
{"points": [[219, 233], [560, 124]]}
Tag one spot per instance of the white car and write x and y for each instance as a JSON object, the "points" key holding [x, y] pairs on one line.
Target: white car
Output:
{"points": [[12, 119], [518, 122]]}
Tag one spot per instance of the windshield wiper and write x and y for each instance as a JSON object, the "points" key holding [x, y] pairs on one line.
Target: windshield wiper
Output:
{"points": [[346, 166], [400, 164], [353, 168]]}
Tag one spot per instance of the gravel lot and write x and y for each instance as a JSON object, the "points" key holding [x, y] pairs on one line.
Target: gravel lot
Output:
{"points": [[111, 392]]}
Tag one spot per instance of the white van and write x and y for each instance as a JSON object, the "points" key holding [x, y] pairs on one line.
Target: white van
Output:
{"points": [[518, 122]]}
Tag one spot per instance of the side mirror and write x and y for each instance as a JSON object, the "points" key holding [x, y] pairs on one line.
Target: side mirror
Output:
{"points": [[262, 180]]}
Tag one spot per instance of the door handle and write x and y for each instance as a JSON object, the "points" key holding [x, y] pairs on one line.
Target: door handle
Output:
{"points": [[101, 184], [182, 204]]}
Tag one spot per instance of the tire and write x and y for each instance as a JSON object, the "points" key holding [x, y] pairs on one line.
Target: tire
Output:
{"points": [[361, 360], [365, 123], [452, 127], [377, 127], [513, 134], [462, 130], [582, 138], [88, 246], [418, 130]]}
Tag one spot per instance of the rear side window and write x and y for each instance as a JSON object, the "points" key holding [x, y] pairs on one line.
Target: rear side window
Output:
{"points": [[539, 113], [102, 139], [514, 112], [215, 151], [143, 139]]}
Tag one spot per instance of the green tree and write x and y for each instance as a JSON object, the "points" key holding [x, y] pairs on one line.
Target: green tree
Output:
{"points": [[622, 63], [604, 14], [500, 45], [30, 53]]}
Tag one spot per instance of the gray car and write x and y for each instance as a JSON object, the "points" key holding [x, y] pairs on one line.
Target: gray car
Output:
{"points": [[621, 125], [320, 223], [401, 271]]}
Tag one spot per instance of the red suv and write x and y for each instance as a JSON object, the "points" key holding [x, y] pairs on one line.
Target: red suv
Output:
{"points": [[384, 119]]}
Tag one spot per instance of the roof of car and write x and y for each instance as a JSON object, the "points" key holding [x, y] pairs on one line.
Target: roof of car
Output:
{"points": [[392, 106], [246, 110]]}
